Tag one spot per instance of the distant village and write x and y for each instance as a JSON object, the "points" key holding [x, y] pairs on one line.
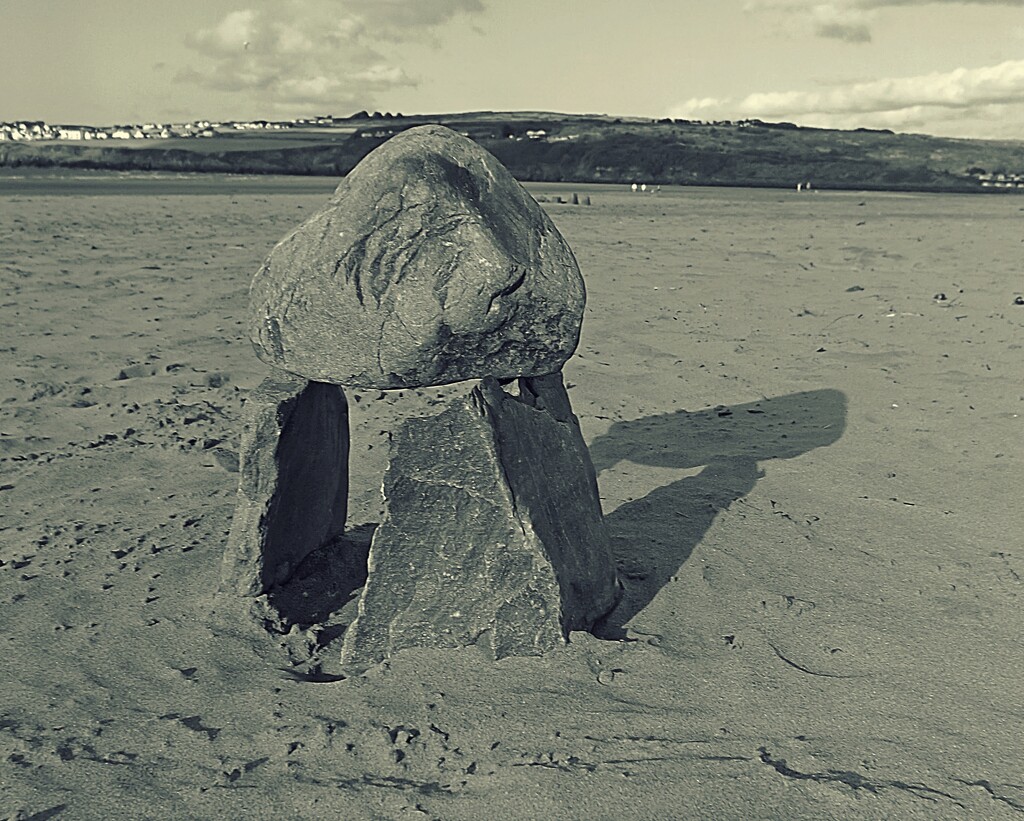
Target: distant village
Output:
{"points": [[26, 130], [994, 180], [37, 130]]}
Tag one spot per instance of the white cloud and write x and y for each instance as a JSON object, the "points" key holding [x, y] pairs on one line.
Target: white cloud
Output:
{"points": [[404, 19], [290, 54], [702, 108], [949, 102], [228, 36], [841, 23], [851, 20], [381, 76], [877, 4]]}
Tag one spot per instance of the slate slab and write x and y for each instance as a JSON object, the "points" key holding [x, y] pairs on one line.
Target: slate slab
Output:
{"points": [[293, 481], [492, 531], [430, 264]]}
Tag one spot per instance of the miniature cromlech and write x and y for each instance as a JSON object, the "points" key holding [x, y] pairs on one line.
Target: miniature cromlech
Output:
{"points": [[429, 265]]}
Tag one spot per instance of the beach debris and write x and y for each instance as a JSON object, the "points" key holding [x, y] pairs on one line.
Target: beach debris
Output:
{"points": [[1019, 300], [293, 481], [492, 532], [430, 264], [940, 297]]}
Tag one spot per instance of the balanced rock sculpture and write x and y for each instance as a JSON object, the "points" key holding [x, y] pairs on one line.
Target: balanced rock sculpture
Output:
{"points": [[429, 265]]}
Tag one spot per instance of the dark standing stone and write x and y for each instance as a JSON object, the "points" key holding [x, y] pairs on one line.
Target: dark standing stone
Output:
{"points": [[430, 264], [293, 483], [492, 525]]}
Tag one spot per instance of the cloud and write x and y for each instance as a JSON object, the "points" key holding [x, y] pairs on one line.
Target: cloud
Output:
{"points": [[227, 37], [878, 4], [850, 20], [403, 19], [288, 55], [836, 22], [963, 96]]}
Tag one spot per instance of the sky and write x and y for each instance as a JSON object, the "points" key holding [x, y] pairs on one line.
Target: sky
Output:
{"points": [[941, 67]]}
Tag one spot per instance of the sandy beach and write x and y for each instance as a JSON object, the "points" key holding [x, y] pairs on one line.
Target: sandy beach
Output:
{"points": [[810, 464]]}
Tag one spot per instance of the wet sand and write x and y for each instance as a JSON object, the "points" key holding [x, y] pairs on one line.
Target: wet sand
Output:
{"points": [[811, 468]]}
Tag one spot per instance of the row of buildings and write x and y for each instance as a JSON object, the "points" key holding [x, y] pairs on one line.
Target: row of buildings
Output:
{"points": [[997, 180], [28, 130], [31, 130]]}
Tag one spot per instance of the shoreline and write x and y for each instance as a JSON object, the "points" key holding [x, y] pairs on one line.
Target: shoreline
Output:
{"points": [[63, 180]]}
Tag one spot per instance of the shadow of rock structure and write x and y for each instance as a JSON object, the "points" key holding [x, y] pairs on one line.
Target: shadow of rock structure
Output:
{"points": [[429, 265], [652, 537]]}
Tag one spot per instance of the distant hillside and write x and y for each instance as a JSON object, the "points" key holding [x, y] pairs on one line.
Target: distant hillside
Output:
{"points": [[556, 147]]}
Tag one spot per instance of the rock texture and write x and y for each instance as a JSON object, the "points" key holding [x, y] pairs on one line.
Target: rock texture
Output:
{"points": [[492, 525], [430, 264], [293, 483]]}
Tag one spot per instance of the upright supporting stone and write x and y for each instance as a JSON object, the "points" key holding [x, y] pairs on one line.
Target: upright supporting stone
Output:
{"points": [[492, 525], [293, 485]]}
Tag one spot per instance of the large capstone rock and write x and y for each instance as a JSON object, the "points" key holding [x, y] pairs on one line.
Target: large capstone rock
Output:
{"points": [[430, 264], [293, 481], [492, 531]]}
